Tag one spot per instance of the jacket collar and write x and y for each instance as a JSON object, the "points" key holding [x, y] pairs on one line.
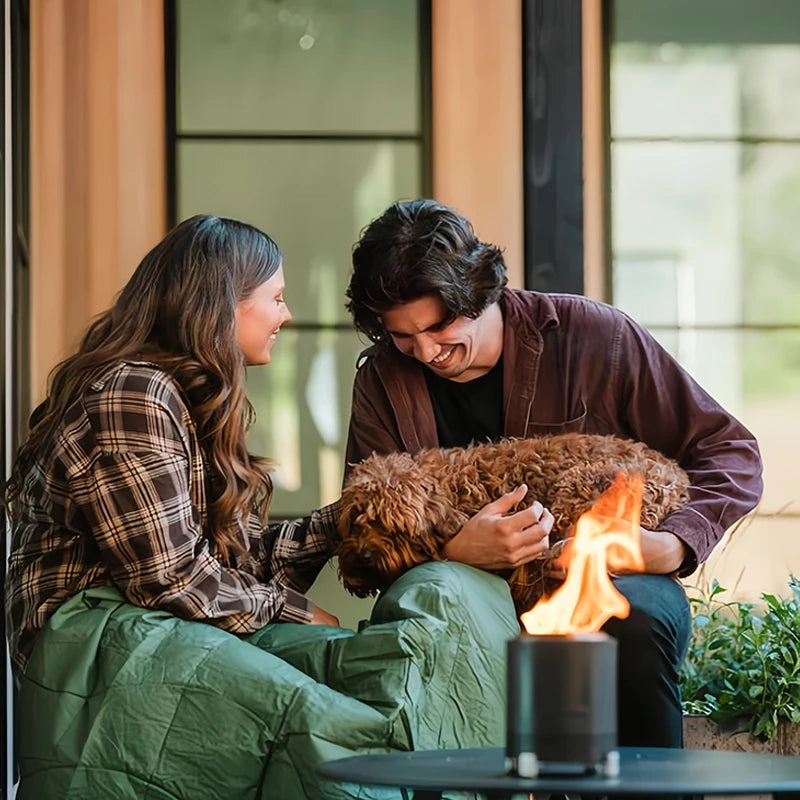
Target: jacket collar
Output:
{"points": [[526, 315]]}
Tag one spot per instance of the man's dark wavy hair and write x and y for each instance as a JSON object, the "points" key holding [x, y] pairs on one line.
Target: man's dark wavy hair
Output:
{"points": [[419, 248]]}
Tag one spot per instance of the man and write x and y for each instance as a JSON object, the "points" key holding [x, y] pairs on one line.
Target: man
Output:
{"points": [[460, 358]]}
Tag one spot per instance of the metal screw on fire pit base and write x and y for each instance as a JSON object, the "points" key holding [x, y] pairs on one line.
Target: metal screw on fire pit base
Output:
{"points": [[526, 765], [611, 768]]}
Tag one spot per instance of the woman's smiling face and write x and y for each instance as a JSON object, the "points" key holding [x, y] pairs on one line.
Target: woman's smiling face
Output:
{"points": [[259, 318]]}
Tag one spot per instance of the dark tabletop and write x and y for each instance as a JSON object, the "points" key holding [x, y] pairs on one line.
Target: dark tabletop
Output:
{"points": [[648, 770]]}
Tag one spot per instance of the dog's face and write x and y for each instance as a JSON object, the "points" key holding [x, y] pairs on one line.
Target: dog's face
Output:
{"points": [[391, 520]]}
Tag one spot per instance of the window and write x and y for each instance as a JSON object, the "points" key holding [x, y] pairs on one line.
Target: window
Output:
{"points": [[306, 118], [705, 148]]}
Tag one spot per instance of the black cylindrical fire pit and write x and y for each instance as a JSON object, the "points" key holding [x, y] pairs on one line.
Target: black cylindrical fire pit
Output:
{"points": [[562, 705]]}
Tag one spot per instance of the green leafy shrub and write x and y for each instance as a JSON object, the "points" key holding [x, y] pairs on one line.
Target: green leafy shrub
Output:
{"points": [[744, 661]]}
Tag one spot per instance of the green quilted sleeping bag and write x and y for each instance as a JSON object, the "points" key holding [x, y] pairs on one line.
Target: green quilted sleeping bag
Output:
{"points": [[124, 703]]}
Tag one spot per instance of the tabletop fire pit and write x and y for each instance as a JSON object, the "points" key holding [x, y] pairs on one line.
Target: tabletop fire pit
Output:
{"points": [[561, 715], [562, 705]]}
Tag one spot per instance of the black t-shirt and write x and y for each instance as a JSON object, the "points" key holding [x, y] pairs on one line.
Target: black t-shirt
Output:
{"points": [[468, 412]]}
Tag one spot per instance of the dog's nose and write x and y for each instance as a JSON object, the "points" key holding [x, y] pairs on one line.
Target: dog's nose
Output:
{"points": [[365, 557]]}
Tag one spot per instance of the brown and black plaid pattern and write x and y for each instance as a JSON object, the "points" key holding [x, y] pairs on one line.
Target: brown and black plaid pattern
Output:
{"points": [[119, 499]]}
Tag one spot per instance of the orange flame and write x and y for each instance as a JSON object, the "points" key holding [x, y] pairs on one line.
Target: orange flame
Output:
{"points": [[607, 537]]}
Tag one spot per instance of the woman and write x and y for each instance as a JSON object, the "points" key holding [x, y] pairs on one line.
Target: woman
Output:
{"points": [[136, 474], [138, 514]]}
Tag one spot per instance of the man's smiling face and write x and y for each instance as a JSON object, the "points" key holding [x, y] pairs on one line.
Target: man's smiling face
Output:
{"points": [[460, 350]]}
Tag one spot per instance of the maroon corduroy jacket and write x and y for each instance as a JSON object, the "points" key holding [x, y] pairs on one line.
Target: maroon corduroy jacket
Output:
{"points": [[575, 365]]}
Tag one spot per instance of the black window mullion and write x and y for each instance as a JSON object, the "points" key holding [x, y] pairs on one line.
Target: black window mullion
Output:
{"points": [[552, 87]]}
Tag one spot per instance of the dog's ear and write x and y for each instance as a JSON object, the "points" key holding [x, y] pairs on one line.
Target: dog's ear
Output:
{"points": [[405, 498], [350, 504]]}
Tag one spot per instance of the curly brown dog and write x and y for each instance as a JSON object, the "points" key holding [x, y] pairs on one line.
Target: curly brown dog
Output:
{"points": [[399, 510]]}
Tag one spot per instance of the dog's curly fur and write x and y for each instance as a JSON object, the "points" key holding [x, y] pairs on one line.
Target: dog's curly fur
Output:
{"points": [[399, 510]]}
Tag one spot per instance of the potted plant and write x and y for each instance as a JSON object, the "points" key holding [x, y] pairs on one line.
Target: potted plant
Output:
{"points": [[741, 678]]}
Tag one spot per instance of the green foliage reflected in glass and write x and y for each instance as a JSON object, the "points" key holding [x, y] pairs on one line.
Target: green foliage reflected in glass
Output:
{"points": [[771, 364]]}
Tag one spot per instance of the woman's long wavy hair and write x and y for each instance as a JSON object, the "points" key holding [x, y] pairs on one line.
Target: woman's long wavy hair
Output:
{"points": [[178, 310]]}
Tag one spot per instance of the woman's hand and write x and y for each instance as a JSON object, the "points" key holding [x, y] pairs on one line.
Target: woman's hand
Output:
{"points": [[497, 537], [322, 617]]}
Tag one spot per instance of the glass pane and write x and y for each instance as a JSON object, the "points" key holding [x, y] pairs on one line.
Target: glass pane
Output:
{"points": [[770, 87], [654, 289], [302, 403], [710, 68], [756, 557], [705, 233], [676, 217], [770, 246], [668, 90], [298, 66], [313, 198]]}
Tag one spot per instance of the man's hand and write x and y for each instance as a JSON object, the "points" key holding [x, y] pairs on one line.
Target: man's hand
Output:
{"points": [[323, 618], [499, 538], [663, 552]]}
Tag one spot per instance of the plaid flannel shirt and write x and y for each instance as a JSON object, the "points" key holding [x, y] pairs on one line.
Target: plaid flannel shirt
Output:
{"points": [[119, 498]]}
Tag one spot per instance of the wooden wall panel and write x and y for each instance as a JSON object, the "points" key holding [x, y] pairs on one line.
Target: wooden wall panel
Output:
{"points": [[49, 75], [97, 161], [477, 118], [596, 257]]}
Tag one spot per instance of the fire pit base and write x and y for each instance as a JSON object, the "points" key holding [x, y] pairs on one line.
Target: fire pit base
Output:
{"points": [[562, 705], [527, 765]]}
